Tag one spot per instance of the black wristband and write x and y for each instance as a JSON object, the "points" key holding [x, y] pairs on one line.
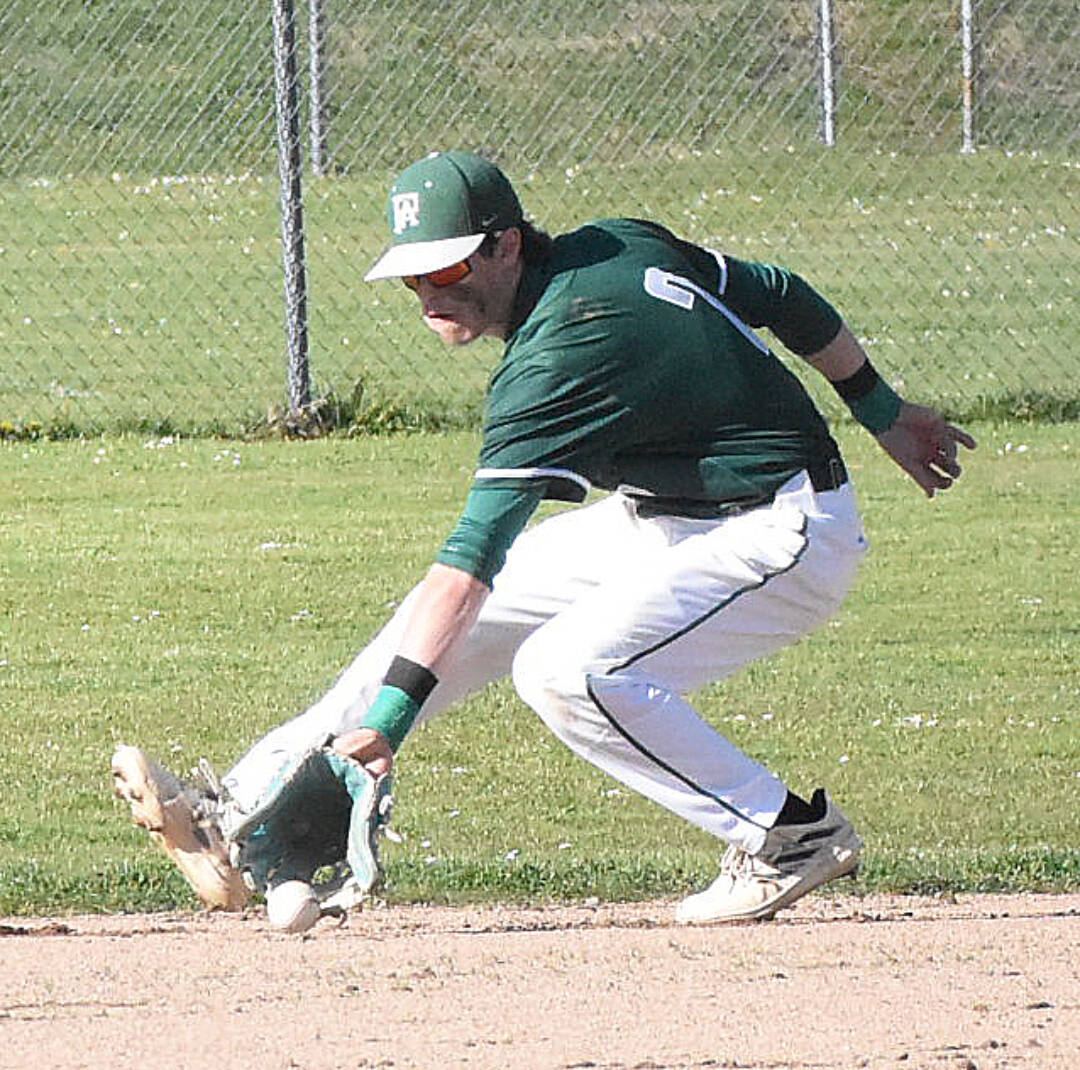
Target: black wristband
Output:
{"points": [[858, 385], [417, 681]]}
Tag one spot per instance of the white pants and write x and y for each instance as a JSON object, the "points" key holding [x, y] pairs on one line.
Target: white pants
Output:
{"points": [[605, 621]]}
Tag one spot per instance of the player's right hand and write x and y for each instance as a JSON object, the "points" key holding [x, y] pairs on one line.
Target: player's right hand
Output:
{"points": [[924, 444]]}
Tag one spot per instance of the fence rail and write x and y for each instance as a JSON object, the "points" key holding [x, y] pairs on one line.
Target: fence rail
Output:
{"points": [[178, 253]]}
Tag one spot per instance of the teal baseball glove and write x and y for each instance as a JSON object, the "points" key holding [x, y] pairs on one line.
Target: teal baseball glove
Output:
{"points": [[322, 809]]}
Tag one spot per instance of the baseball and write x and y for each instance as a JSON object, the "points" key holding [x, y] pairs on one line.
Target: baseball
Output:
{"points": [[292, 906]]}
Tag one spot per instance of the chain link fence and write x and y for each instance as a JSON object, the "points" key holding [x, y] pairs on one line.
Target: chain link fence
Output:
{"points": [[917, 160]]}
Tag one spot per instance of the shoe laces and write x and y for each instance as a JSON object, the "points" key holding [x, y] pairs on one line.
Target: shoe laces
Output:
{"points": [[206, 780], [736, 863], [739, 866], [209, 799], [213, 804]]}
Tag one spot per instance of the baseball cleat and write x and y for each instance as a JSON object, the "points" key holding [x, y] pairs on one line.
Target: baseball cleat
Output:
{"points": [[183, 823], [795, 860]]}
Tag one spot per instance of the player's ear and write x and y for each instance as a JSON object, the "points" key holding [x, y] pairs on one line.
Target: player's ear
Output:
{"points": [[508, 246]]}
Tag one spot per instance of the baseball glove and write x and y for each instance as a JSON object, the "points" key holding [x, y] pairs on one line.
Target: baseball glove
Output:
{"points": [[321, 809]]}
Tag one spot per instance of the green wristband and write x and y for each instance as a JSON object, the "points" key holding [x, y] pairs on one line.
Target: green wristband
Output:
{"points": [[392, 713], [878, 408]]}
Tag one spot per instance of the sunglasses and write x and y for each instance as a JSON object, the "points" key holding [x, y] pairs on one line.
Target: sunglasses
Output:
{"points": [[446, 276]]}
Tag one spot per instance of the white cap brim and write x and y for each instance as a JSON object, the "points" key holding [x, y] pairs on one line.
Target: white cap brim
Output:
{"points": [[420, 257]]}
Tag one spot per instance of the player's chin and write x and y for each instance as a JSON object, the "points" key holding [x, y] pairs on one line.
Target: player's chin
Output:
{"points": [[452, 332]]}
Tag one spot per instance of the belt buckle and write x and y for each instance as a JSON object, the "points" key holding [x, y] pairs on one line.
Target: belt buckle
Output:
{"points": [[837, 475]]}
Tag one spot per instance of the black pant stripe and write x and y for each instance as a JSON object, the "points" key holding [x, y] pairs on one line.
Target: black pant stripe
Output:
{"points": [[667, 641], [734, 596], [671, 770]]}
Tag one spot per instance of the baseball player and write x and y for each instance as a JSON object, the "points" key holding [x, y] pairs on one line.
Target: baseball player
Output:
{"points": [[632, 365]]}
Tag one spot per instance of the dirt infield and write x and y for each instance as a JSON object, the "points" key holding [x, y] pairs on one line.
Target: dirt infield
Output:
{"points": [[978, 983]]}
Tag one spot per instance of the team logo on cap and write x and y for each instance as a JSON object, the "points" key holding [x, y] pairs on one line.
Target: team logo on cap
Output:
{"points": [[406, 208]]}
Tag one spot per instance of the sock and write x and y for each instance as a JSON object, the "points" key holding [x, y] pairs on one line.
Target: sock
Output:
{"points": [[797, 811]]}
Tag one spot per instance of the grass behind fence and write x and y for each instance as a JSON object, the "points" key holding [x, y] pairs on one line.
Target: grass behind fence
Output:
{"points": [[186, 87], [155, 304], [188, 595]]}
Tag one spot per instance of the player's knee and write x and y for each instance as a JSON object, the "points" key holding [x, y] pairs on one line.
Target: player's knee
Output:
{"points": [[551, 684]]}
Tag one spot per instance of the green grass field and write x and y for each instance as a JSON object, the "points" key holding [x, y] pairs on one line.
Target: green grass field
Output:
{"points": [[187, 595]]}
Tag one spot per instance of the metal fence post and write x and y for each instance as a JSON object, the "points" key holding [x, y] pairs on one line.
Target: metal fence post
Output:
{"points": [[292, 212], [967, 35], [317, 85], [828, 77]]}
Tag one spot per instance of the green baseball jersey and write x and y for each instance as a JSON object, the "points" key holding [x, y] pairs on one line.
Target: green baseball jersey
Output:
{"points": [[634, 365]]}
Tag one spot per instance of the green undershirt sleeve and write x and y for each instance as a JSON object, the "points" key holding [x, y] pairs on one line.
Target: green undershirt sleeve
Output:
{"points": [[495, 512], [768, 296]]}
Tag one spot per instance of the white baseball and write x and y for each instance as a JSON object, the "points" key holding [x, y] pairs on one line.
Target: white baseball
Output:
{"points": [[292, 906]]}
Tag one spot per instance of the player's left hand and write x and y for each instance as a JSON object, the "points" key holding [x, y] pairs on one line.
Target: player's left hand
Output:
{"points": [[369, 747], [321, 807], [924, 444]]}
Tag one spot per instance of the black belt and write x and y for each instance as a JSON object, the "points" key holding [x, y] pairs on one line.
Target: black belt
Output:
{"points": [[825, 474]]}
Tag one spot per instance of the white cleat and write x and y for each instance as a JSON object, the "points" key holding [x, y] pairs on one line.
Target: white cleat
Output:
{"points": [[795, 860], [182, 824]]}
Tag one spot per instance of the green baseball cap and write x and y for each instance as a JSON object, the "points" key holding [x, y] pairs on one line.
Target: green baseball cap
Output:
{"points": [[441, 208]]}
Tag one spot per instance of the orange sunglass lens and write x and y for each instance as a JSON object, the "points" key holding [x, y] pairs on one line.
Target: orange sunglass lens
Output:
{"points": [[446, 276]]}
